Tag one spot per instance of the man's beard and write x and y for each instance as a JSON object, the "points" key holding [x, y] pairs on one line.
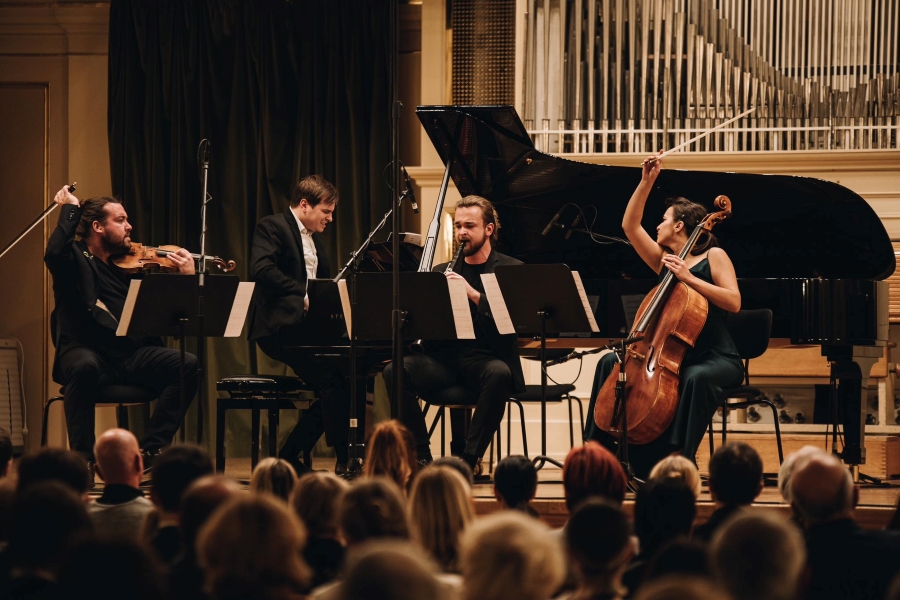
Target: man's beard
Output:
{"points": [[473, 246], [116, 247]]}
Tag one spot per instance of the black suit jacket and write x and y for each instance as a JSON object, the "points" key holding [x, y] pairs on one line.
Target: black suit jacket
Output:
{"points": [[278, 267], [505, 346]]}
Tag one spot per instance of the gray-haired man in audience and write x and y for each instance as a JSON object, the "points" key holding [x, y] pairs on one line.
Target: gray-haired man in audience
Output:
{"points": [[122, 507]]}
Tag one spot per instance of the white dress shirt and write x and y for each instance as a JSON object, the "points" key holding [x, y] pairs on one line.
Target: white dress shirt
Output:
{"points": [[309, 255]]}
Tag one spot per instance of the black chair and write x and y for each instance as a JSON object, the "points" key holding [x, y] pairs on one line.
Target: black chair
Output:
{"points": [[119, 396], [750, 330], [272, 393]]}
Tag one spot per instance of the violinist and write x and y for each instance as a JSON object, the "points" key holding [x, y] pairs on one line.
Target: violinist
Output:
{"points": [[713, 364], [90, 291]]}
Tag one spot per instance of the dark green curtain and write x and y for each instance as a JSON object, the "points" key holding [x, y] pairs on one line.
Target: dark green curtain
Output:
{"points": [[282, 89]]}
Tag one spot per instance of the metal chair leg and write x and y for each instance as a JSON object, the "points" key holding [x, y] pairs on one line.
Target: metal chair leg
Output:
{"points": [[571, 424], [221, 411], [254, 438]]}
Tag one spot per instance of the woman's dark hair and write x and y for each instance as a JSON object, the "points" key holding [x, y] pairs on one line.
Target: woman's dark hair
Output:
{"points": [[691, 213], [515, 480], [92, 209]]}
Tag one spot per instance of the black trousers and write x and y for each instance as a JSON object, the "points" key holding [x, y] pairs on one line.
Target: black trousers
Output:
{"points": [[329, 414], [84, 371], [486, 375]]}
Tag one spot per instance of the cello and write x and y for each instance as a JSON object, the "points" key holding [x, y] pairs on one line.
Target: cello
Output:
{"points": [[667, 324]]}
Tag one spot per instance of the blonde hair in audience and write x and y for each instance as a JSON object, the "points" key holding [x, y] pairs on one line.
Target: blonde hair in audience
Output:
{"points": [[678, 467], [273, 476], [388, 453], [511, 555], [316, 500], [251, 547], [440, 509]]}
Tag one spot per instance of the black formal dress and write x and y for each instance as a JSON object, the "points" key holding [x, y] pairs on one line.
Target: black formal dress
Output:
{"points": [[488, 365], [278, 267], [712, 365], [89, 296]]}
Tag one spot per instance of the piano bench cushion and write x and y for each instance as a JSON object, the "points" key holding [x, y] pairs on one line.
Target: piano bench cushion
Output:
{"points": [[744, 392], [261, 384], [455, 396], [555, 393]]}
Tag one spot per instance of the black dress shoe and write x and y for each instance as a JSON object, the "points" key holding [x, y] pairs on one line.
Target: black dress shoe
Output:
{"points": [[299, 466], [150, 455], [340, 469]]}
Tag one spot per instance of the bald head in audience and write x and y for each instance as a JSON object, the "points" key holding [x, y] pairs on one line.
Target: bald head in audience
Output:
{"points": [[790, 464], [822, 490], [118, 457]]}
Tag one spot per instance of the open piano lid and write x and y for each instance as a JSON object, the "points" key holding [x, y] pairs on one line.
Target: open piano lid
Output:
{"points": [[782, 226]]}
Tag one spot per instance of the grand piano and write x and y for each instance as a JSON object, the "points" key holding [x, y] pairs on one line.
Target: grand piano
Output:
{"points": [[811, 250]]}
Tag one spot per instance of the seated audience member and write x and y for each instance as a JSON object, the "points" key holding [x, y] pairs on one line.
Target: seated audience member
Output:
{"points": [[844, 561], [273, 476], [599, 545], [391, 569], [48, 519], [316, 500], [373, 508], [458, 464], [174, 470], [515, 484], [791, 462], [198, 504], [681, 556], [121, 509], [678, 467], [681, 587], [757, 556], [6, 452], [440, 510], [112, 569], [735, 480], [664, 510], [54, 464], [388, 453], [251, 548], [592, 470], [7, 497], [510, 555]]}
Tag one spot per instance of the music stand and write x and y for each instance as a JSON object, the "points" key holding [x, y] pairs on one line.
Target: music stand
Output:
{"points": [[165, 304], [548, 298]]}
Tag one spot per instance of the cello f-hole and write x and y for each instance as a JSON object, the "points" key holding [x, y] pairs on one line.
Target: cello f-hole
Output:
{"points": [[650, 364]]}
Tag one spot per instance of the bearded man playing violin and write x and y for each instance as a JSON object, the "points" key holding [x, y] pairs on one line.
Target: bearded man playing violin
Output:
{"points": [[89, 291]]}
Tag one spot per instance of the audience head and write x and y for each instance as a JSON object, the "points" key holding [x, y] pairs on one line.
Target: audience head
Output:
{"points": [[373, 508], [681, 556], [663, 510], [111, 569], [678, 467], [822, 489], [681, 587], [756, 556], [511, 555], [389, 454], [251, 548], [598, 540], [7, 498], [455, 462], [47, 520], [6, 451], [735, 474], [274, 476], [118, 456], [54, 464], [174, 470], [390, 569], [316, 501], [592, 470], [440, 509], [790, 464], [515, 482], [200, 501]]}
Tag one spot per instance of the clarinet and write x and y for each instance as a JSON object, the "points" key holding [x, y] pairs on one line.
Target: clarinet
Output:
{"points": [[418, 347]]}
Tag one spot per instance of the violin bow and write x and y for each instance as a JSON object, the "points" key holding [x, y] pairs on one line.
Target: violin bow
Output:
{"points": [[34, 224], [697, 137]]}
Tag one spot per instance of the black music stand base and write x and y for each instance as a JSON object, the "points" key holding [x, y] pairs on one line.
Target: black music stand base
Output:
{"points": [[542, 459], [633, 481]]}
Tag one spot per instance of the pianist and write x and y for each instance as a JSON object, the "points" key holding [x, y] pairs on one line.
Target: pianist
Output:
{"points": [[488, 365], [286, 253], [713, 363]]}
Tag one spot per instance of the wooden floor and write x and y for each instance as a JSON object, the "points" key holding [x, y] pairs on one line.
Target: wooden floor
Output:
{"points": [[875, 509]]}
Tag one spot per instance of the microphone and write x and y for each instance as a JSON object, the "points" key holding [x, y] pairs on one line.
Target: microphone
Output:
{"points": [[409, 190], [572, 226], [551, 223], [206, 144]]}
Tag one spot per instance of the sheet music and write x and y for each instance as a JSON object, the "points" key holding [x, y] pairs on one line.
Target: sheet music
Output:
{"points": [[239, 309], [459, 302], [345, 304], [128, 310], [584, 302], [498, 306]]}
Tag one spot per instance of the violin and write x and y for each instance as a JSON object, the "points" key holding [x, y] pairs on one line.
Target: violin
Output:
{"points": [[154, 259]]}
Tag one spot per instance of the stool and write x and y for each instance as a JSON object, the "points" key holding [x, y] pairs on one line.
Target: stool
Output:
{"points": [[555, 393], [118, 395], [258, 392]]}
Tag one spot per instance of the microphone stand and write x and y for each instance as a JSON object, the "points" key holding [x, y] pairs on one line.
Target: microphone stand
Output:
{"points": [[201, 283]]}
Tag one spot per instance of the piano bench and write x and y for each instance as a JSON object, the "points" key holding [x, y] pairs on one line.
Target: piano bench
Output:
{"points": [[258, 392]]}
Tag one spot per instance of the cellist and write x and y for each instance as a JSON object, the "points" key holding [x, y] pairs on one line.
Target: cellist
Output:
{"points": [[713, 364]]}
